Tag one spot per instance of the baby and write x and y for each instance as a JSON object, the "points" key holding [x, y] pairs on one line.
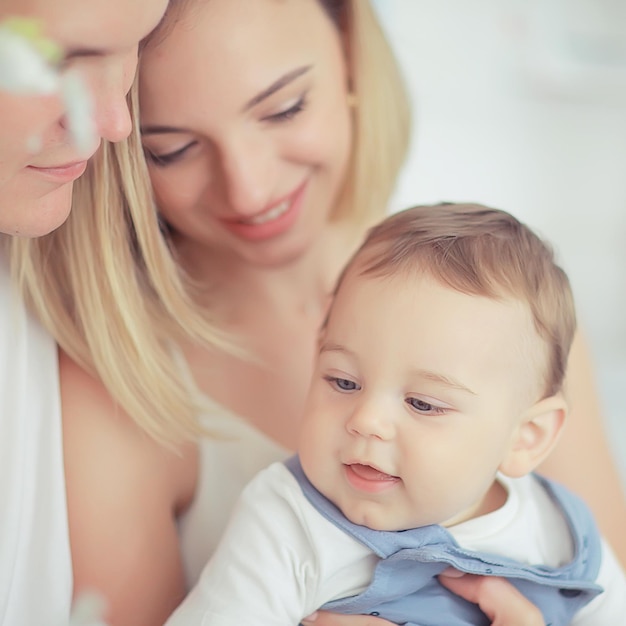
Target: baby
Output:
{"points": [[436, 393]]}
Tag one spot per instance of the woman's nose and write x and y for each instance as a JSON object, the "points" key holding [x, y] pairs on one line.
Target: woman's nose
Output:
{"points": [[247, 168], [112, 118], [108, 84]]}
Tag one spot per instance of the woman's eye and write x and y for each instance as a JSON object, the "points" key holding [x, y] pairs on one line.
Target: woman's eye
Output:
{"points": [[163, 160], [288, 113], [70, 58], [64, 63], [342, 384], [425, 407]]}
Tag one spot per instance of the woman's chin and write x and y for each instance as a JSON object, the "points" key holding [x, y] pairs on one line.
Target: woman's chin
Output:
{"points": [[35, 217]]}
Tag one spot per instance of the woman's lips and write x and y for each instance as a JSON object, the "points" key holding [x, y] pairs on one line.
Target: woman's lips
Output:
{"points": [[273, 221], [62, 173], [269, 215], [368, 478]]}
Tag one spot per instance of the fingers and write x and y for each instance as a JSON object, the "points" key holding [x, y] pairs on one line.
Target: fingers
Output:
{"points": [[500, 601], [323, 618]]}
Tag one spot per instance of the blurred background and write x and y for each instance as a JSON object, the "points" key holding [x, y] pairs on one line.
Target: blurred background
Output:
{"points": [[521, 105]]}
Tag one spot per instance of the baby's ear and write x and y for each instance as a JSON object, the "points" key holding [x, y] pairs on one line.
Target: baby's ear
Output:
{"points": [[535, 436]]}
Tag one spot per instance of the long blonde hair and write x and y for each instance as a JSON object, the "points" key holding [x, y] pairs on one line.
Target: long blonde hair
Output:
{"points": [[382, 119], [108, 287], [111, 293]]}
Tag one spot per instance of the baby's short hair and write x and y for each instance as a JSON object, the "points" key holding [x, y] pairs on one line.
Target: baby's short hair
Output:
{"points": [[479, 251]]}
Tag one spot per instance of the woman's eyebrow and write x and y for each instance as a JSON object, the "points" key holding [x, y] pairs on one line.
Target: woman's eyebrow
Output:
{"points": [[161, 130], [266, 93], [75, 53], [276, 85]]}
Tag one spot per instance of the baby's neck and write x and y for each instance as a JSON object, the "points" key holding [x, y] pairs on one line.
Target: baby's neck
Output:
{"points": [[494, 499]]}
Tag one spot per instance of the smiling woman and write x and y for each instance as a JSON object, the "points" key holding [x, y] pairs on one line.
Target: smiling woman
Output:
{"points": [[38, 162], [286, 125], [289, 112]]}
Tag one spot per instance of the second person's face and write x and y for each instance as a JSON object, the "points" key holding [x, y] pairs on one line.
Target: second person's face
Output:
{"points": [[38, 161], [246, 126], [416, 400]]}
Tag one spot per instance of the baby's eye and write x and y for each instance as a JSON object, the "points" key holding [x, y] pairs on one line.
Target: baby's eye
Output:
{"points": [[342, 384], [425, 407]]}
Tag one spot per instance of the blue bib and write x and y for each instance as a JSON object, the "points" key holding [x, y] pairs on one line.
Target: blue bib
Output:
{"points": [[404, 588]]}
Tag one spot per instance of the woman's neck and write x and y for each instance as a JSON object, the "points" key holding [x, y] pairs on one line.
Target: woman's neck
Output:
{"points": [[236, 291]]}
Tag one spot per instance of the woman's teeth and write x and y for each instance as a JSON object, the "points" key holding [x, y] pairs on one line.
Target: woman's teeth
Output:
{"points": [[272, 214]]}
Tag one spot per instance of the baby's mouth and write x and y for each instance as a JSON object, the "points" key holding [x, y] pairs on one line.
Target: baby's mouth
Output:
{"points": [[367, 472]]}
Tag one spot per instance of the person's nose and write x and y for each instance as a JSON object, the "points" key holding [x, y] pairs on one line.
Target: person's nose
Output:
{"points": [[371, 419], [109, 85], [247, 170], [112, 117]]}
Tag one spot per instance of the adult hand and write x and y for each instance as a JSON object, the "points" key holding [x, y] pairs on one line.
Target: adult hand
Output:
{"points": [[496, 597], [502, 603], [323, 618]]}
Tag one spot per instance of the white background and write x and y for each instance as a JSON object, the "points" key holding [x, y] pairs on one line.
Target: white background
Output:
{"points": [[521, 105]]}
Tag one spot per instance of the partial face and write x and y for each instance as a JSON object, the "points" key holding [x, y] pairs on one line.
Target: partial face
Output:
{"points": [[38, 163], [246, 127], [415, 401]]}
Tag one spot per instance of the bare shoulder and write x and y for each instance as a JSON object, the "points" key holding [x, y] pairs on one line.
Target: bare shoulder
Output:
{"points": [[124, 494]]}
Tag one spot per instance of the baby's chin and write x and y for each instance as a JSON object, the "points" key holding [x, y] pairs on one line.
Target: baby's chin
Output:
{"points": [[377, 516]]}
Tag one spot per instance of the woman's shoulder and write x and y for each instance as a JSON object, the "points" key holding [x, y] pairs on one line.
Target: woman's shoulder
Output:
{"points": [[125, 491]]}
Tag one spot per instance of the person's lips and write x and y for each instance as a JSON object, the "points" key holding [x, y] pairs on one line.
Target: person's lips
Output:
{"points": [[63, 173], [369, 478], [272, 221]]}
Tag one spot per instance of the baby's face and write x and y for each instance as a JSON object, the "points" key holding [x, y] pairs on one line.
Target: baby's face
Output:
{"points": [[415, 400]]}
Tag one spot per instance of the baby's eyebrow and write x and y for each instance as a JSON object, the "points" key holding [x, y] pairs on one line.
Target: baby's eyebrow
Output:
{"points": [[277, 85], [448, 381], [334, 347]]}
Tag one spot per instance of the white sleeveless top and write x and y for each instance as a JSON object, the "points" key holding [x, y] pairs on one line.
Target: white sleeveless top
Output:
{"points": [[227, 463], [35, 561]]}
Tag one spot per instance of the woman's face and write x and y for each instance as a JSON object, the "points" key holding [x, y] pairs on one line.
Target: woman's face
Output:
{"points": [[246, 127], [38, 163]]}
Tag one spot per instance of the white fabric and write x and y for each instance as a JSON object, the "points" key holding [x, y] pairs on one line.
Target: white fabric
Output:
{"points": [[35, 562], [280, 559], [228, 462]]}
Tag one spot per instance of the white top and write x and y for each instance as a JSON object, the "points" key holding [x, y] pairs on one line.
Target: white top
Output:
{"points": [[35, 562], [280, 559], [228, 462]]}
